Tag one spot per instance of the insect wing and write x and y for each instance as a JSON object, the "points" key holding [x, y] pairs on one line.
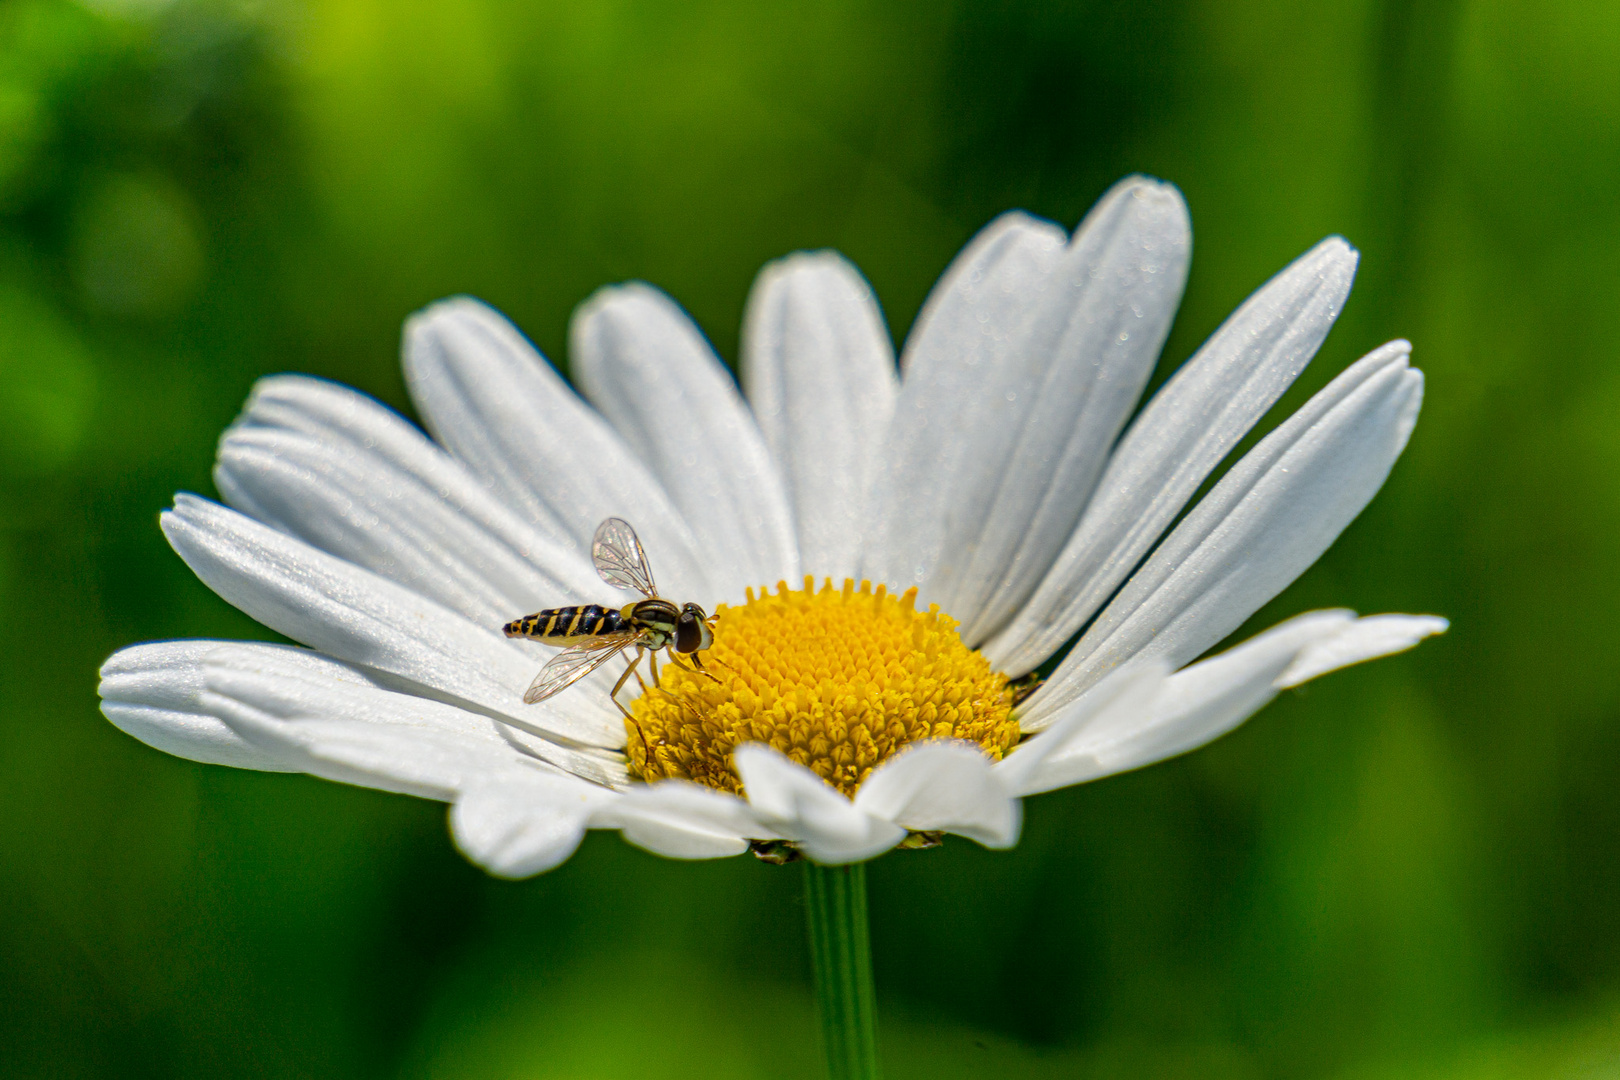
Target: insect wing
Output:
{"points": [[571, 665], [619, 558]]}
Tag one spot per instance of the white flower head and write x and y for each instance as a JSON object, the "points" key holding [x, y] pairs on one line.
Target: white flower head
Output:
{"points": [[964, 517]]}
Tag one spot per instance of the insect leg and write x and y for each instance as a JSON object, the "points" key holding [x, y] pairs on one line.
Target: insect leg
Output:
{"points": [[701, 670], [624, 679], [646, 749], [652, 662]]}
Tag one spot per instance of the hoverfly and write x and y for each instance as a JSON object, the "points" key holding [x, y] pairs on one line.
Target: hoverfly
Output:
{"points": [[594, 634]]}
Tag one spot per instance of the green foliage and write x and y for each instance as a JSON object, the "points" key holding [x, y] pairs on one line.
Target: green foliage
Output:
{"points": [[1406, 870], [47, 384]]}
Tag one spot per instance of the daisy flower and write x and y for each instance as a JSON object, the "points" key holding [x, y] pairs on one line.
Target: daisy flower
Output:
{"points": [[888, 552]]}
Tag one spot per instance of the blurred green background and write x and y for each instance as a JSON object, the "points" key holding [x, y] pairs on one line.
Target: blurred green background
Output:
{"points": [[1409, 870]]}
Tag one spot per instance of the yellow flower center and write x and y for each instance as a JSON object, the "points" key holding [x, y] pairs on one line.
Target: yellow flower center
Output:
{"points": [[837, 680]]}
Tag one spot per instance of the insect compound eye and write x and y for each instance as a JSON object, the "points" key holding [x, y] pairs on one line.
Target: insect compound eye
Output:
{"points": [[689, 632]]}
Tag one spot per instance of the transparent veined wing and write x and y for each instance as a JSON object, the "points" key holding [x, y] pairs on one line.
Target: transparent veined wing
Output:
{"points": [[571, 665], [619, 559]]}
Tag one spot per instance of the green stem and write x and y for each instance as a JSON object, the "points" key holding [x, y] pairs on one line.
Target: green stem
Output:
{"points": [[841, 955]]}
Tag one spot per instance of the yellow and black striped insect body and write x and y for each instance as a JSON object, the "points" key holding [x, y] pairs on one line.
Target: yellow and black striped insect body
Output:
{"points": [[592, 634]]}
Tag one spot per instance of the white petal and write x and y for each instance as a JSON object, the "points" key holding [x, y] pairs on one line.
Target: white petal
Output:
{"points": [[1125, 697], [1023, 368], [1364, 639], [1194, 706], [488, 396], [358, 507], [152, 691], [362, 428], [819, 372], [642, 362], [1265, 522], [1182, 434], [944, 786], [682, 820], [356, 616], [518, 826], [298, 688], [472, 538], [800, 806], [423, 764]]}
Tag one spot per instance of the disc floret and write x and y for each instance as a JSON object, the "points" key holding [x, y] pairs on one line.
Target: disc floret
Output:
{"points": [[836, 679]]}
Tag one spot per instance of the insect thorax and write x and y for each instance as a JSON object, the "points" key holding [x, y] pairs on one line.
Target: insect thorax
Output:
{"points": [[657, 617]]}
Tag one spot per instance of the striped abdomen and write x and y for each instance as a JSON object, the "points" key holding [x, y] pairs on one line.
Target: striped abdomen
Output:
{"points": [[561, 625]]}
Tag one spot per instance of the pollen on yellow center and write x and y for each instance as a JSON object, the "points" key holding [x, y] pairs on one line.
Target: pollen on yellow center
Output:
{"points": [[836, 679]]}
